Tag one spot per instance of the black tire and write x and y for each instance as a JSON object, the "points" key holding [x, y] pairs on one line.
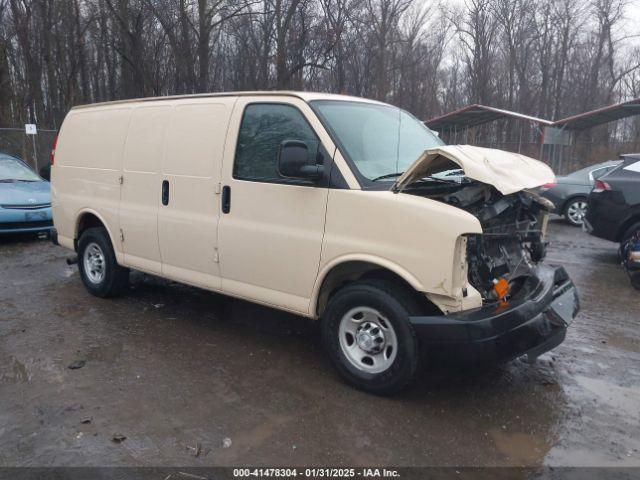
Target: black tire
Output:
{"points": [[114, 279], [396, 304], [629, 232], [568, 205]]}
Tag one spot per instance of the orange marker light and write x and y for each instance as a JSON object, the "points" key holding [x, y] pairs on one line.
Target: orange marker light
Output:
{"points": [[501, 289]]}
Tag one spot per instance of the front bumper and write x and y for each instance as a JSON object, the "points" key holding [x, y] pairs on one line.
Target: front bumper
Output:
{"points": [[533, 322], [14, 220]]}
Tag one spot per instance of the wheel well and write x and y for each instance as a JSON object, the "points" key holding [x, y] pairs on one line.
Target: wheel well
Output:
{"points": [[86, 220], [352, 271], [626, 226]]}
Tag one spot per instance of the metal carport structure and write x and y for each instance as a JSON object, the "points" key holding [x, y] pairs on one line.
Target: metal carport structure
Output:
{"points": [[593, 118], [555, 136], [474, 115]]}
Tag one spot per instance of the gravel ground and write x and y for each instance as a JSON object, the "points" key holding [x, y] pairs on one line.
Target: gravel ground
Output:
{"points": [[179, 372]]}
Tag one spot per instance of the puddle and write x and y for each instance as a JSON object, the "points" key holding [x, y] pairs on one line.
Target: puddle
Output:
{"points": [[69, 271], [605, 428], [586, 457], [623, 342], [106, 352], [520, 448], [622, 399], [255, 436], [18, 373]]}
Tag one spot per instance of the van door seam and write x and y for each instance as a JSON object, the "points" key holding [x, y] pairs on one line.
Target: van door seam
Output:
{"points": [[312, 311]]}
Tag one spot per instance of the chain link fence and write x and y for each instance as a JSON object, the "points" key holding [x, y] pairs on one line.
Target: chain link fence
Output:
{"points": [[33, 149], [514, 136]]}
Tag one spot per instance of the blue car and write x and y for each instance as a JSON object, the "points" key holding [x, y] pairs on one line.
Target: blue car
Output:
{"points": [[25, 198]]}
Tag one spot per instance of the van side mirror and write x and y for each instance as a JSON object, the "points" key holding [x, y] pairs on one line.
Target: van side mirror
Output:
{"points": [[294, 161]]}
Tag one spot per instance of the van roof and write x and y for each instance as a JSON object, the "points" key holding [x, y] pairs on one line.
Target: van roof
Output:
{"points": [[306, 96]]}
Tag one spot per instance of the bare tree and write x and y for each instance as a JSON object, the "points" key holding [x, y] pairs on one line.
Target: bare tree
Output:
{"points": [[478, 30], [545, 58]]}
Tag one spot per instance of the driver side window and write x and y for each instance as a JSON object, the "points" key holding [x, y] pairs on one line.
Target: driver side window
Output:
{"points": [[263, 128]]}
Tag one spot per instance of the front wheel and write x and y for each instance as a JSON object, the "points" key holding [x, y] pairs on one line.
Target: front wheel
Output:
{"points": [[367, 334], [575, 211], [100, 273]]}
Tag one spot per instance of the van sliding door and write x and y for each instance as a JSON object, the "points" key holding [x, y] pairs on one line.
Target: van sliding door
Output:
{"points": [[189, 206]]}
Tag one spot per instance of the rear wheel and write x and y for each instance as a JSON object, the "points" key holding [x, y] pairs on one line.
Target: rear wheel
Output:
{"points": [[100, 273], [367, 334], [575, 211]]}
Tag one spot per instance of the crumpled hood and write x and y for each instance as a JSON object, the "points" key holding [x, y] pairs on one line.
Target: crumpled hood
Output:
{"points": [[507, 172], [25, 193]]}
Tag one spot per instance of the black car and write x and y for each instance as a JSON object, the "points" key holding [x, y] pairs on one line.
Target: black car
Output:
{"points": [[569, 193], [613, 208]]}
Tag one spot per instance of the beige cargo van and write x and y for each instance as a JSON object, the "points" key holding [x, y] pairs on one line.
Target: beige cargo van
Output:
{"points": [[341, 209]]}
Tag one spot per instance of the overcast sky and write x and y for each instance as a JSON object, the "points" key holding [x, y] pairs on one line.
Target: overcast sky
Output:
{"points": [[632, 24]]}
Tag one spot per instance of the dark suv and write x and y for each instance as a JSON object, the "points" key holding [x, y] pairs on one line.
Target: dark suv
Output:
{"points": [[613, 211]]}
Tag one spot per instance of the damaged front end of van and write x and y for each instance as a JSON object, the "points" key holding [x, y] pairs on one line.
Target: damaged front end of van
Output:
{"points": [[526, 305]]}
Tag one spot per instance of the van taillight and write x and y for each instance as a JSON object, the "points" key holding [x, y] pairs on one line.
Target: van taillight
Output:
{"points": [[547, 186], [52, 155], [600, 186]]}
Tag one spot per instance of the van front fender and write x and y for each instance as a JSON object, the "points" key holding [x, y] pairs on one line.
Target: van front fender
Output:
{"points": [[361, 262]]}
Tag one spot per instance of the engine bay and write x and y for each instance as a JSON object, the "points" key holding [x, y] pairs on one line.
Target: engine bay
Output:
{"points": [[512, 242]]}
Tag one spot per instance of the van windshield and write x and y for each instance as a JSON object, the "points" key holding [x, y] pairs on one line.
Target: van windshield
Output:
{"points": [[380, 140]]}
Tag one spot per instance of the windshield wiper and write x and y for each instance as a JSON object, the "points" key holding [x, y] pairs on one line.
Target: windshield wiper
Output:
{"points": [[436, 179], [426, 181], [388, 175]]}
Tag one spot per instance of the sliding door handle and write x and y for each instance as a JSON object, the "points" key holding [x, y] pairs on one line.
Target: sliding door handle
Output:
{"points": [[226, 199], [165, 192]]}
